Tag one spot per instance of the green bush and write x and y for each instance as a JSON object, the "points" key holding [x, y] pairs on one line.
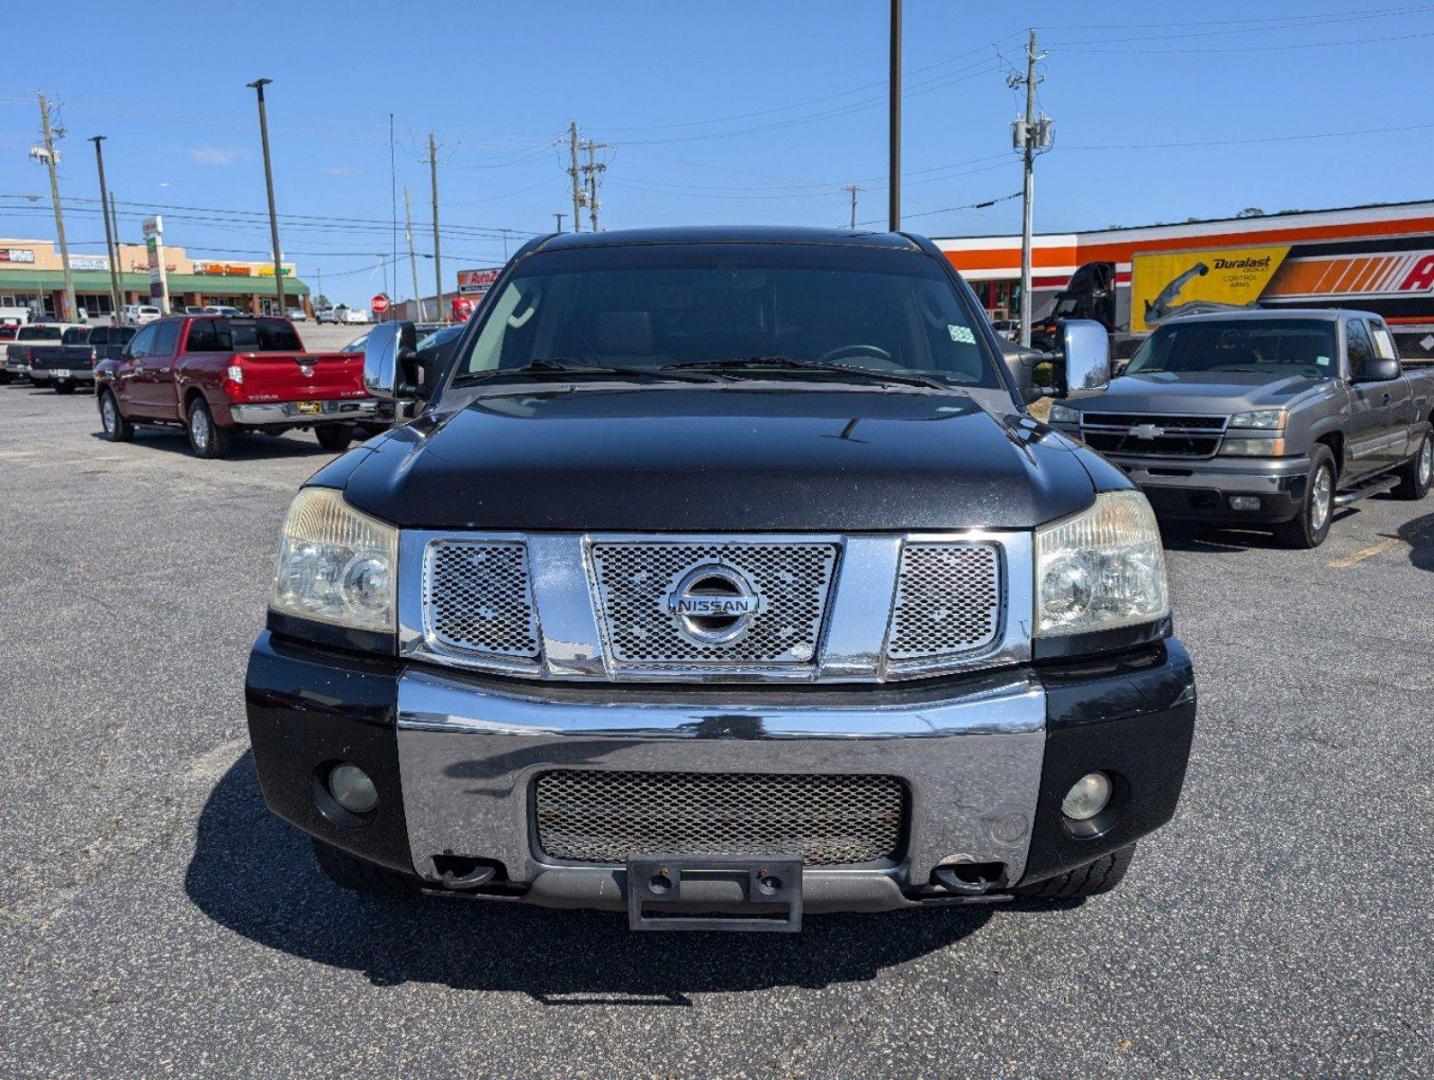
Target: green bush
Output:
{"points": [[1043, 373]]}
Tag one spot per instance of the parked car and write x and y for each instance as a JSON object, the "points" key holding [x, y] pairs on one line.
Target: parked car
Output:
{"points": [[195, 309], [217, 375], [1009, 329], [667, 606], [139, 314], [72, 363], [329, 314], [222, 309], [298, 315], [1275, 418], [27, 339]]}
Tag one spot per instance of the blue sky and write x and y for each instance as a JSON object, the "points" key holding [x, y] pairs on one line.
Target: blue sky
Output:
{"points": [[715, 113]]}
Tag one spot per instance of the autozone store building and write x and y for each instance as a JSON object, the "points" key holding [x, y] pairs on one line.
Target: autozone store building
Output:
{"points": [[33, 276], [1378, 258]]}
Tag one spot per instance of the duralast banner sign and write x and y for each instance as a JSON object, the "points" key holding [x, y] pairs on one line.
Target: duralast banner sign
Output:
{"points": [[1164, 285], [238, 269]]}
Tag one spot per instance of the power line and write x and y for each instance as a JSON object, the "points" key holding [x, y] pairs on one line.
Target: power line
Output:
{"points": [[1339, 16], [1345, 43]]}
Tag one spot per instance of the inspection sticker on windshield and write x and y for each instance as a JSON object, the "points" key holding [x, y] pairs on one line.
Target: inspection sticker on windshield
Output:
{"points": [[961, 333]]}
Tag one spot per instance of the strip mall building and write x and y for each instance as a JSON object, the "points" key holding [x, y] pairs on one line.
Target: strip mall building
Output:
{"points": [[1375, 257], [32, 276]]}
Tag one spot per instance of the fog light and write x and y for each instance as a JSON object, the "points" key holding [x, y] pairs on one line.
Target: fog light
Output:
{"points": [[1087, 797], [352, 789], [1244, 502]]}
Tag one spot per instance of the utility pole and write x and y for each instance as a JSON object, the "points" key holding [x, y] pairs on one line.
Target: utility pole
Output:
{"points": [[1030, 136], [412, 258], [558, 218], [110, 250], [437, 256], [114, 219], [258, 87], [853, 189], [573, 172], [590, 175], [49, 156], [893, 212]]}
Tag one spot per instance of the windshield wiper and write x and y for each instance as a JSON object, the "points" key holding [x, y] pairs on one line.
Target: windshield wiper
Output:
{"points": [[791, 363], [562, 365]]}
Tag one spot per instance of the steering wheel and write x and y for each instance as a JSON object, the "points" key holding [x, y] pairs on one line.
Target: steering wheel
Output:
{"points": [[854, 350]]}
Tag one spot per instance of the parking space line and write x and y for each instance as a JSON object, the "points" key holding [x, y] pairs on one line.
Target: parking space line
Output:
{"points": [[1366, 553]]}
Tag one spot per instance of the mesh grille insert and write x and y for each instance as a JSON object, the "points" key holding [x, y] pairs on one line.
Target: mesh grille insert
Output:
{"points": [[635, 579], [948, 600], [594, 816], [476, 597]]}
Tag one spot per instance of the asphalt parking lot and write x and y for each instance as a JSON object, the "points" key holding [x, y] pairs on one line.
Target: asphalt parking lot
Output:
{"points": [[155, 919]]}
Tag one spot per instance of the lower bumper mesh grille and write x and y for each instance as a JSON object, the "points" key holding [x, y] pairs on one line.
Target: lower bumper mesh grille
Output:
{"points": [[593, 816]]}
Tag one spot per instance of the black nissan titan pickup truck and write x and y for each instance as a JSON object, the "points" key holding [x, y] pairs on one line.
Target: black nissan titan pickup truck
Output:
{"points": [[722, 576]]}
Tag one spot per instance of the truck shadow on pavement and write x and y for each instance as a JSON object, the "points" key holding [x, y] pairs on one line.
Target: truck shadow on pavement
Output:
{"points": [[247, 447], [1419, 535], [255, 875]]}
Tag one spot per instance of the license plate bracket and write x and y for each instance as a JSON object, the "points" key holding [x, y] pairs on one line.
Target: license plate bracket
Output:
{"points": [[751, 894]]}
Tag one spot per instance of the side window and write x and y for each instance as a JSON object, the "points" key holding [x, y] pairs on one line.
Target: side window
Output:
{"points": [[167, 338], [202, 337], [1360, 348], [1383, 341], [142, 344]]}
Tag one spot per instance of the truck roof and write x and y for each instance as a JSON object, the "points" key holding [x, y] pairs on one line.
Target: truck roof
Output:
{"points": [[730, 234], [1327, 314]]}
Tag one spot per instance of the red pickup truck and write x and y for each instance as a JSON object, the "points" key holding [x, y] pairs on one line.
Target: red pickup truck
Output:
{"points": [[218, 375]]}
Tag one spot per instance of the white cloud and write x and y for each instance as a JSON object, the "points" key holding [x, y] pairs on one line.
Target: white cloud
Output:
{"points": [[217, 155]]}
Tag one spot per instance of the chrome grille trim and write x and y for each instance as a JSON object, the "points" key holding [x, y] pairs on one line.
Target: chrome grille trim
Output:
{"points": [[603, 816], [856, 627], [1182, 435], [948, 600]]}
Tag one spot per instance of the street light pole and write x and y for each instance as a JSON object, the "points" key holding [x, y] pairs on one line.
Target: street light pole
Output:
{"points": [[110, 249], [258, 87]]}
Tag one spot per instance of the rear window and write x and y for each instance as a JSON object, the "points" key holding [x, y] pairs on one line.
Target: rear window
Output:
{"points": [[243, 335], [77, 335], [39, 333]]}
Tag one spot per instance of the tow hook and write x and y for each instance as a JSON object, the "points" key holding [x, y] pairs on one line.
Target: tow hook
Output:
{"points": [[461, 873], [971, 878]]}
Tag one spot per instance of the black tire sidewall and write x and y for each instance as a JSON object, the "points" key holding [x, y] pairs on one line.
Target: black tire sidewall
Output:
{"points": [[1300, 532]]}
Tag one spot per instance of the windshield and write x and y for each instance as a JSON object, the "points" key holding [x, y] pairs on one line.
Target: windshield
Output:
{"points": [[39, 333], [1279, 347], [75, 336], [660, 306]]}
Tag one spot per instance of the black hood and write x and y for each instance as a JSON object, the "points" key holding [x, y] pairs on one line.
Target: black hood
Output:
{"points": [[720, 460]]}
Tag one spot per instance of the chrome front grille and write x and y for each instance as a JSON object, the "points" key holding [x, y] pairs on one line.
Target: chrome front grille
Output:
{"points": [[635, 579], [829, 820], [948, 600], [1160, 435], [477, 598], [789, 607]]}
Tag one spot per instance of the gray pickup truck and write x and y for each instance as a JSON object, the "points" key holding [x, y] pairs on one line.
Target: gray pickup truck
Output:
{"points": [[1263, 417]]}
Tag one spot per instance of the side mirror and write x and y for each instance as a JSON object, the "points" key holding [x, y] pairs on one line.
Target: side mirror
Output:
{"points": [[1380, 369], [388, 347], [1084, 367]]}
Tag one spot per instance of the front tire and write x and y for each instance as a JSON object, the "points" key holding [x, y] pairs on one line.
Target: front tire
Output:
{"points": [[1091, 880], [116, 427], [1308, 528], [361, 876], [334, 438], [206, 438], [1416, 473]]}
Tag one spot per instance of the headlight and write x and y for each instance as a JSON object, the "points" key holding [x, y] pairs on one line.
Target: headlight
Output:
{"points": [[1063, 414], [1101, 569], [1264, 419], [335, 564], [1265, 447]]}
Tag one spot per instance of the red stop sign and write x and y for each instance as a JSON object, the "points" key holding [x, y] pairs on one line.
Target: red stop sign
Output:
{"points": [[379, 303]]}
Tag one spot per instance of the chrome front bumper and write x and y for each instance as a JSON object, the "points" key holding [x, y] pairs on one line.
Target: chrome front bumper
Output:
{"points": [[288, 412], [469, 751]]}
